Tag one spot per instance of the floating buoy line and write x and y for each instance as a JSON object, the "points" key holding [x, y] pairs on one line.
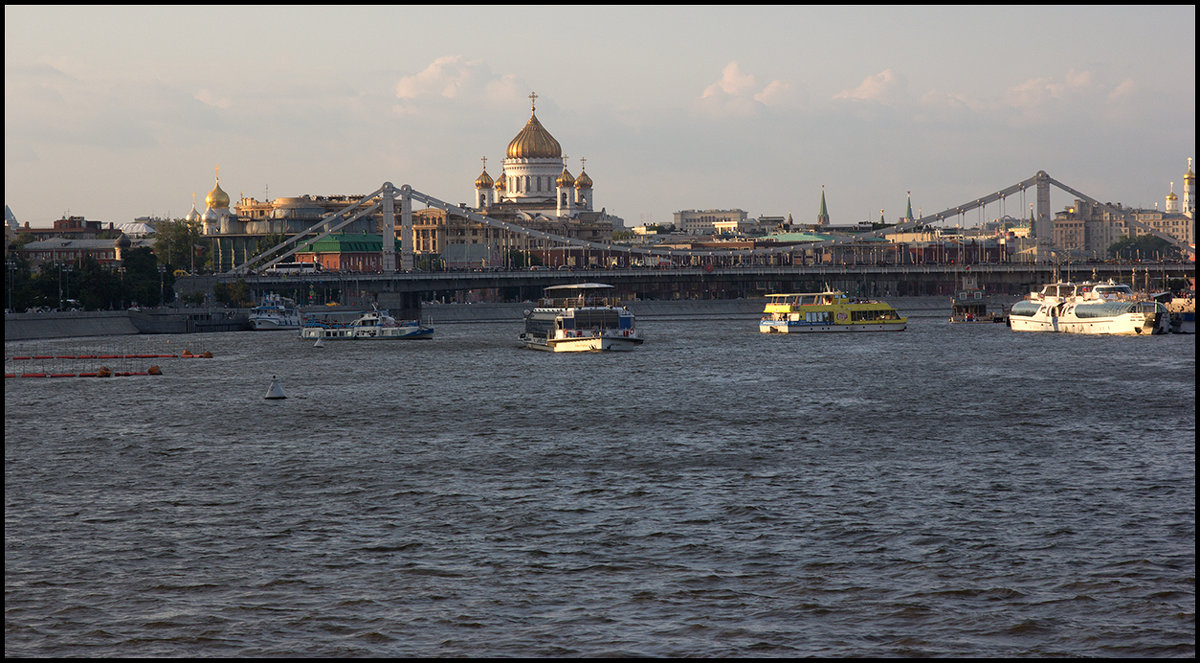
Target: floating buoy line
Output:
{"points": [[84, 364]]}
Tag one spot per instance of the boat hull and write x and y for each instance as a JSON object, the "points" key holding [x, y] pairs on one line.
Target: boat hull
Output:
{"points": [[273, 325], [380, 334], [1125, 325], [803, 327], [602, 343]]}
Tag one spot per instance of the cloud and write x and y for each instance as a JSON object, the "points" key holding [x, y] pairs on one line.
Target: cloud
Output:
{"points": [[884, 87], [1074, 94], [1125, 90], [455, 77], [739, 94], [207, 98]]}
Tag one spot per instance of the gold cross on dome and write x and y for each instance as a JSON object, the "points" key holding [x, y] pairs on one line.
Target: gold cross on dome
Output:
{"points": [[533, 100]]}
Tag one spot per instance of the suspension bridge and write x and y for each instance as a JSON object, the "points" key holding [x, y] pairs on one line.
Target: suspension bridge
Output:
{"points": [[384, 200]]}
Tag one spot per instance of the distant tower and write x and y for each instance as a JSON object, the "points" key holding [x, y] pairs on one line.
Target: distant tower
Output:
{"points": [[566, 196], [1172, 206], [192, 216], [823, 215], [484, 188], [908, 215], [1189, 190], [583, 188], [121, 248]]}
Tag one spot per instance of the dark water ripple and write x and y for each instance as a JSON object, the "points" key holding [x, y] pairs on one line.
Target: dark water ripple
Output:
{"points": [[941, 492]]}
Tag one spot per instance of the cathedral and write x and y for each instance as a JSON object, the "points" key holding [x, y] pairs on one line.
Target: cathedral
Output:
{"points": [[534, 178]]}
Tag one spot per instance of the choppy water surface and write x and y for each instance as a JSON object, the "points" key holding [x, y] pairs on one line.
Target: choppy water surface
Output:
{"points": [[945, 491]]}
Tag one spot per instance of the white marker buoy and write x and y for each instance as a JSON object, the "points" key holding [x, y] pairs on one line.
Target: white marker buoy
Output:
{"points": [[319, 344], [275, 391]]}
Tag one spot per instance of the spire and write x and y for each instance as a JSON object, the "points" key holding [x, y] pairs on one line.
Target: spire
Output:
{"points": [[908, 215], [823, 215]]}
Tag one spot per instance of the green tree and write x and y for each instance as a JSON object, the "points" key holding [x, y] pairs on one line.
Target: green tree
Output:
{"points": [[179, 245], [1143, 247]]}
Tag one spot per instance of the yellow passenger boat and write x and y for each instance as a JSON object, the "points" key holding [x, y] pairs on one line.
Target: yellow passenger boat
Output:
{"points": [[828, 311]]}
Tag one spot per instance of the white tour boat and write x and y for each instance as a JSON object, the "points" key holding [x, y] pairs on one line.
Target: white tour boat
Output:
{"points": [[372, 325], [580, 317], [1089, 308], [275, 313], [827, 311]]}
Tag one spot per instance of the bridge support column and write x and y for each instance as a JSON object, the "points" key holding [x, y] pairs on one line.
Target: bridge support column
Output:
{"points": [[1043, 229], [387, 230], [406, 230]]}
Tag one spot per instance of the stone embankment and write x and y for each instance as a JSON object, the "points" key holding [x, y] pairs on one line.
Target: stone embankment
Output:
{"points": [[64, 324]]}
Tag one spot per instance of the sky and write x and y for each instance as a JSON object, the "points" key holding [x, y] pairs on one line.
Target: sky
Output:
{"points": [[115, 113]]}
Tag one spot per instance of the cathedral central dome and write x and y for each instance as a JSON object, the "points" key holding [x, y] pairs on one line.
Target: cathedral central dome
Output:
{"points": [[534, 142]]}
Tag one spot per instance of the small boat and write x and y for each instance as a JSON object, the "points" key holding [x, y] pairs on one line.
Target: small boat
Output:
{"points": [[971, 305], [275, 313], [373, 325], [827, 311], [1089, 308], [580, 317]]}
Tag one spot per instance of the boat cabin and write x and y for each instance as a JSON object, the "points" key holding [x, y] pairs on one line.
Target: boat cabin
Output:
{"points": [[783, 303], [577, 295]]}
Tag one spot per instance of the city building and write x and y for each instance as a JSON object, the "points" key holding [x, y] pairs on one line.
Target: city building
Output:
{"points": [[712, 221], [1090, 229]]}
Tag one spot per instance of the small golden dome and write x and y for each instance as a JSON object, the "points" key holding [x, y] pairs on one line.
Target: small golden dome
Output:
{"points": [[565, 178], [534, 142], [217, 199], [484, 181], [500, 182], [583, 182]]}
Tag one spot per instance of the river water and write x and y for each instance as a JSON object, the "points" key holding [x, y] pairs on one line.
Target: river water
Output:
{"points": [[946, 491]]}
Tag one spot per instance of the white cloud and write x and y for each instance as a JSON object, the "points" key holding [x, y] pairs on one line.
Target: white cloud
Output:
{"points": [[1125, 90], [207, 98], [739, 94], [884, 87], [459, 79]]}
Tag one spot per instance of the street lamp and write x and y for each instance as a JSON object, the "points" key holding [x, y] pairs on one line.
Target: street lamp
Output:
{"points": [[162, 270], [70, 268], [12, 270]]}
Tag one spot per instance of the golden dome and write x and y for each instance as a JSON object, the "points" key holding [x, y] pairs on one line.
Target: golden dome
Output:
{"points": [[217, 199], [565, 178], [500, 182], [534, 142], [583, 182], [484, 181]]}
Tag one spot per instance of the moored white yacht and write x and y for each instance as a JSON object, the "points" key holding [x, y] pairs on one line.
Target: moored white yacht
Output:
{"points": [[1089, 308], [580, 317]]}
